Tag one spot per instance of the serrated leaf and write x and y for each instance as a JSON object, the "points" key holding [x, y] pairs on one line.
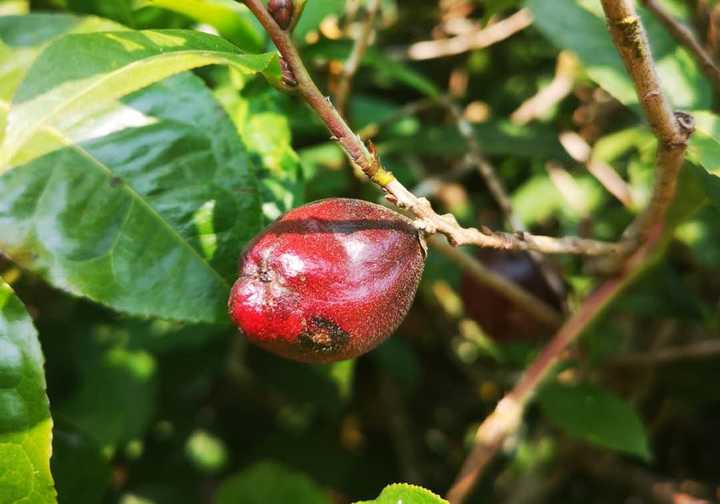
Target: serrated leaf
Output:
{"points": [[149, 219], [106, 67], [25, 423], [579, 25], [406, 494], [595, 415], [270, 483]]}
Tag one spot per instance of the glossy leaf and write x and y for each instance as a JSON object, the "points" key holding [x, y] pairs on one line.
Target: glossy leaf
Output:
{"points": [[404, 492], [270, 483], [579, 25], [21, 40], [25, 423], [233, 20], [107, 66], [149, 219], [597, 416]]}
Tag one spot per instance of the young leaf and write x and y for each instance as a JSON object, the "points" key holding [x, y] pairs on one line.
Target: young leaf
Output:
{"points": [[595, 415], [107, 66], [149, 219], [270, 483], [404, 492], [25, 423]]}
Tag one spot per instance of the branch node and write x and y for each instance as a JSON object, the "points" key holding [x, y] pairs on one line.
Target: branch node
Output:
{"points": [[686, 123]]}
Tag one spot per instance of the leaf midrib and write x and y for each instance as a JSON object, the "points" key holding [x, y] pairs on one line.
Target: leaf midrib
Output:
{"points": [[95, 84], [135, 197]]}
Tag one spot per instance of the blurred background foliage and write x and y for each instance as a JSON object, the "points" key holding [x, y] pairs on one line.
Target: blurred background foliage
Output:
{"points": [[167, 410]]}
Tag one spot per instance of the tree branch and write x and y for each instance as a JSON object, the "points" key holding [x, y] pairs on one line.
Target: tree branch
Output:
{"points": [[525, 300], [396, 193], [508, 414], [686, 37], [671, 129]]}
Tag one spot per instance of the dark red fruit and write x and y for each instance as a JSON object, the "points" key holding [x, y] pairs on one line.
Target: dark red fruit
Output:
{"points": [[499, 317], [327, 281]]}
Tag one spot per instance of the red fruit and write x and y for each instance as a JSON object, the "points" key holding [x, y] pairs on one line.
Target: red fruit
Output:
{"points": [[327, 281], [499, 317]]}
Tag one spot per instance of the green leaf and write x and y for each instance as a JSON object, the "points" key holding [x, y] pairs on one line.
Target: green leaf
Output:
{"points": [[107, 66], [495, 137], [82, 472], [21, 40], [116, 399], [149, 219], [270, 483], [384, 66], [262, 121], [314, 12], [704, 148], [25, 423], [595, 415], [406, 493], [233, 20], [579, 25]]}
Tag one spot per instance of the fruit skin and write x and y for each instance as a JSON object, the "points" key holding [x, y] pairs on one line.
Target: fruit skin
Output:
{"points": [[328, 281], [499, 317]]}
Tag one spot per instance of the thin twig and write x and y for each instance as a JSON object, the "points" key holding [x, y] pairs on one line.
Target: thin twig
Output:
{"points": [[475, 157], [686, 37], [702, 350], [508, 414], [580, 151], [522, 298], [649, 486], [550, 95], [344, 84], [497, 189], [488, 36], [397, 193], [671, 129]]}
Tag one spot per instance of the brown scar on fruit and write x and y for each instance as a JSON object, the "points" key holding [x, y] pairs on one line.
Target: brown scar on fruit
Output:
{"points": [[323, 336]]}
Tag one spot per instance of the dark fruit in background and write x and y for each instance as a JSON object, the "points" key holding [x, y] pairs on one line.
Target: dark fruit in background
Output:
{"points": [[327, 281], [499, 317]]}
